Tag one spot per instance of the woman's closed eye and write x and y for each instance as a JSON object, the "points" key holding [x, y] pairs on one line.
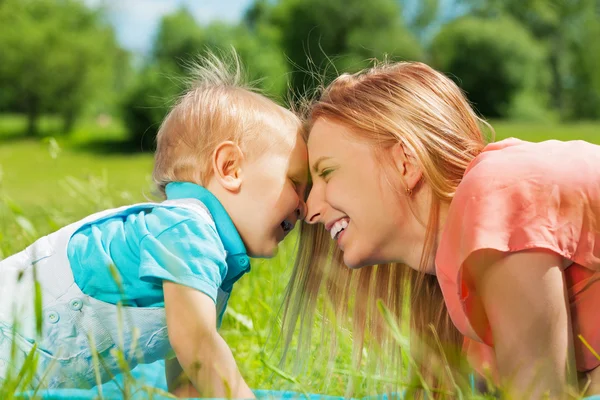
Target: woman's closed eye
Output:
{"points": [[325, 173]]}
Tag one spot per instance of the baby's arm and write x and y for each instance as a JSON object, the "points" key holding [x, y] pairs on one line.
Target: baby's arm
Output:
{"points": [[201, 351], [527, 307], [177, 381]]}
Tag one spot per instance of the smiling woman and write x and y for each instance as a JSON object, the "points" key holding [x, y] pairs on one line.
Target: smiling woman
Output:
{"points": [[496, 243], [360, 195]]}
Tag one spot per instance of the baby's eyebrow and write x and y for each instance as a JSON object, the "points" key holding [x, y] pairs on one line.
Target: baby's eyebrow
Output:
{"points": [[298, 172]]}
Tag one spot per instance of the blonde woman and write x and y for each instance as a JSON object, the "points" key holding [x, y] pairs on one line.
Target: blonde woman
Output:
{"points": [[499, 242]]}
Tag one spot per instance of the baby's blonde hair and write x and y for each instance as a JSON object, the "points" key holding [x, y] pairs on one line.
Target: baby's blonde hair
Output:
{"points": [[218, 105], [411, 103]]}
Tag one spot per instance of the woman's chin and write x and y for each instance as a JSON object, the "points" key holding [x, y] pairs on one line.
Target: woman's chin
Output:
{"points": [[354, 262], [357, 261]]}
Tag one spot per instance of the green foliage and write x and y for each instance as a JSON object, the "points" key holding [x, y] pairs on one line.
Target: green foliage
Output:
{"points": [[156, 87], [496, 62], [55, 56], [264, 61], [322, 37], [424, 19], [179, 38], [179, 43], [583, 94], [568, 30], [51, 192], [146, 103]]}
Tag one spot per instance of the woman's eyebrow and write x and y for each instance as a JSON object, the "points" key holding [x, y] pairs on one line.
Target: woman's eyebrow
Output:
{"points": [[319, 160]]}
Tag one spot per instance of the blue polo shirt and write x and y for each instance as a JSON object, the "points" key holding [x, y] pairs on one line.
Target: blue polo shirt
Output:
{"points": [[149, 245]]}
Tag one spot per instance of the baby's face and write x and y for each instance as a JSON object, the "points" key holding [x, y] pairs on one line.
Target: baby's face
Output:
{"points": [[272, 195]]}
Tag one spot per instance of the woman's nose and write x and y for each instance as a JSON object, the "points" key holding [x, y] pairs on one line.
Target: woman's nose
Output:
{"points": [[314, 207]]}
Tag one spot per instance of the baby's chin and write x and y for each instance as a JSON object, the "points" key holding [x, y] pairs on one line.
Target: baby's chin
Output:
{"points": [[265, 251]]}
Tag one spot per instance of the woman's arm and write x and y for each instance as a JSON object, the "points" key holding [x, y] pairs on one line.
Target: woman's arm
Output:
{"points": [[201, 351], [526, 305]]}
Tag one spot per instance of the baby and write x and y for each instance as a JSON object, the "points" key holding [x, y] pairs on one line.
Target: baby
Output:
{"points": [[149, 281]]}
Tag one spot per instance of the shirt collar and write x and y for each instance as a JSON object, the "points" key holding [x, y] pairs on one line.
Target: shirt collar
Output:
{"points": [[237, 259]]}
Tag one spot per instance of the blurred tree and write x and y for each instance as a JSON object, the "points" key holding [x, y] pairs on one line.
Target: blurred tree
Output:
{"points": [[54, 57], [179, 39], [422, 17], [564, 27], [264, 61], [179, 42], [497, 62], [321, 38], [258, 14], [145, 104], [583, 90]]}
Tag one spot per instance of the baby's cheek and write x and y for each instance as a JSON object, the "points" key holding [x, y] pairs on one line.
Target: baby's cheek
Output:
{"points": [[293, 202]]}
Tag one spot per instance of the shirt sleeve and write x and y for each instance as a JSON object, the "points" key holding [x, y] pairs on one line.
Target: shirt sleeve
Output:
{"points": [[188, 251], [519, 198]]}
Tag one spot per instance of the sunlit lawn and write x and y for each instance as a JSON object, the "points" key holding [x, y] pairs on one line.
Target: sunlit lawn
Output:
{"points": [[50, 183]]}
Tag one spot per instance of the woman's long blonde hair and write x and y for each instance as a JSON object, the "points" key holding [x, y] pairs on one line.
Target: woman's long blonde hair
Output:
{"points": [[406, 102]]}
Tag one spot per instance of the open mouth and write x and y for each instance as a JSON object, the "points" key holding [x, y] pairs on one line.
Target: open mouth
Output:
{"points": [[287, 226], [337, 228]]}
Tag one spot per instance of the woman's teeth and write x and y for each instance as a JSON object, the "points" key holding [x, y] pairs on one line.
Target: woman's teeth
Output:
{"points": [[338, 227]]}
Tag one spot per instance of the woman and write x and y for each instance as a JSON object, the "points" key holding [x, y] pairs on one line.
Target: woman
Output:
{"points": [[500, 242]]}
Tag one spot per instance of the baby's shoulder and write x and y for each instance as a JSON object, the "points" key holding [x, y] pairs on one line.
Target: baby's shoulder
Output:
{"points": [[166, 215]]}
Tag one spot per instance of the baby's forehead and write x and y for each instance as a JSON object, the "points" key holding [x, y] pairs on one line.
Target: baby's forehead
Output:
{"points": [[278, 123], [277, 113]]}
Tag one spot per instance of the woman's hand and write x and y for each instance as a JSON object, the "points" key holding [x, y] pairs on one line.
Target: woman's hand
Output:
{"points": [[524, 298]]}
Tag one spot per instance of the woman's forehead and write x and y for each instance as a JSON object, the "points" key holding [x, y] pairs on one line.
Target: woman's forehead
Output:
{"points": [[324, 133], [328, 137]]}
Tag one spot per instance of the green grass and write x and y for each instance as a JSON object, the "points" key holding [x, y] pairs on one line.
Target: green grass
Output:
{"points": [[537, 132], [45, 184]]}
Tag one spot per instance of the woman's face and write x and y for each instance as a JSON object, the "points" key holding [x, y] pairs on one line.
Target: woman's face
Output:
{"points": [[361, 202]]}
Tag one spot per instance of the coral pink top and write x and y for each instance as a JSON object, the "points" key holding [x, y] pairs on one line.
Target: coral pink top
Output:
{"points": [[515, 196]]}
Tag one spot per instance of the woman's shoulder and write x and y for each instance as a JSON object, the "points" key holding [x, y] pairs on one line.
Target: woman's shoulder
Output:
{"points": [[517, 194], [518, 164]]}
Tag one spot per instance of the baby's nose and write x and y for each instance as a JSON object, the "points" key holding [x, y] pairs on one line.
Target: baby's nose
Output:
{"points": [[301, 210]]}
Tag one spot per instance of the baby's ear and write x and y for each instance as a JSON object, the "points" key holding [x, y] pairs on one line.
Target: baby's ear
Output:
{"points": [[227, 165]]}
